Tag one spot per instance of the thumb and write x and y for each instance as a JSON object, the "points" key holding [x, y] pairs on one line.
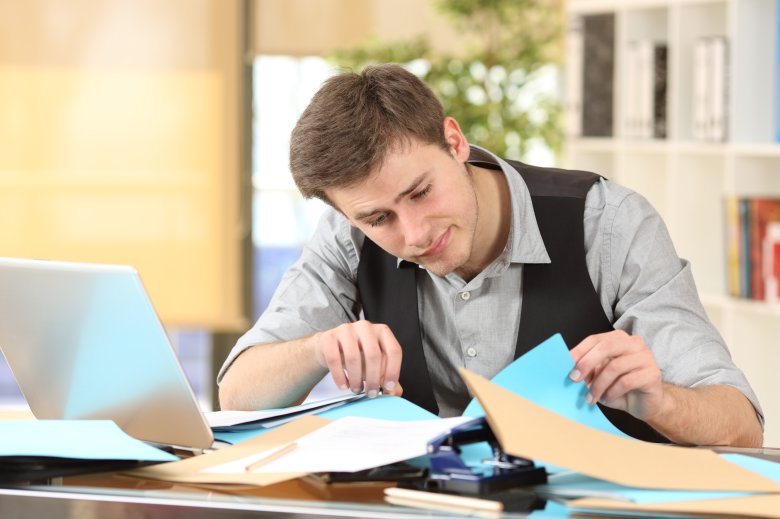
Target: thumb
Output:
{"points": [[396, 391]]}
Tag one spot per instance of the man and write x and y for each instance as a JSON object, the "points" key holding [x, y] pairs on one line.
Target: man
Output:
{"points": [[459, 258]]}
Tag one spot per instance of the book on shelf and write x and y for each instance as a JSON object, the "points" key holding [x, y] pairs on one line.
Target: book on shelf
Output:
{"points": [[719, 99], [732, 246], [744, 249], [710, 89], [771, 264], [659, 89], [700, 88], [645, 99], [753, 247], [598, 64]]}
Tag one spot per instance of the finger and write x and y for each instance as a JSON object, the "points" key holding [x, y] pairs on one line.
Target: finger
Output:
{"points": [[620, 389], [587, 366], [615, 369], [585, 346], [353, 358], [382, 368], [334, 361], [580, 351], [393, 355], [372, 361], [397, 390], [646, 378], [594, 373], [608, 346], [590, 342], [641, 402]]}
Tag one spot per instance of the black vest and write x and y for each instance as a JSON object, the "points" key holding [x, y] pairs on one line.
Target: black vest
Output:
{"points": [[557, 297]]}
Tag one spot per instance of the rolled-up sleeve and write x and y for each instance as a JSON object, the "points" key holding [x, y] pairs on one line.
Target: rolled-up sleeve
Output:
{"points": [[652, 294], [316, 293]]}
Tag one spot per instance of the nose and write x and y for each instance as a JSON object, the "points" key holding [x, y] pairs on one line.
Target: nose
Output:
{"points": [[416, 229]]}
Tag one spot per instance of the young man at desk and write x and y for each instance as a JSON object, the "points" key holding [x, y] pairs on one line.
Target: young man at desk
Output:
{"points": [[458, 258]]}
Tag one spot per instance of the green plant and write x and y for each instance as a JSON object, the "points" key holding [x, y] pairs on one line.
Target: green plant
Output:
{"points": [[502, 89]]}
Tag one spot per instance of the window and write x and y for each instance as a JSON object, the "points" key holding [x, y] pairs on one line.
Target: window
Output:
{"points": [[283, 220]]}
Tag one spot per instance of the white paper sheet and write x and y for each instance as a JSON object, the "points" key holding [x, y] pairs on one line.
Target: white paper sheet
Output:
{"points": [[231, 418], [351, 444], [241, 465]]}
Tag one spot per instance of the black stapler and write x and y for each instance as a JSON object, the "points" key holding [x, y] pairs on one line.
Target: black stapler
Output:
{"points": [[449, 473]]}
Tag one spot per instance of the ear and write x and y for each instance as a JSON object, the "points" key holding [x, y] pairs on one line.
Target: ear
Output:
{"points": [[457, 142]]}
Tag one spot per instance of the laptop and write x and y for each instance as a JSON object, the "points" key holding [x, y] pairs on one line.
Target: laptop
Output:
{"points": [[84, 342]]}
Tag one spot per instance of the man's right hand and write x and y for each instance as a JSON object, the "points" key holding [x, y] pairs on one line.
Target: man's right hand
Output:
{"points": [[361, 353]]}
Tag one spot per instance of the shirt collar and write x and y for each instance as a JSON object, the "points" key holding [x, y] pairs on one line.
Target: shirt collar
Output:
{"points": [[525, 244]]}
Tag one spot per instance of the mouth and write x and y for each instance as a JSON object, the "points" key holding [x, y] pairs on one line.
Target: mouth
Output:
{"points": [[439, 245]]}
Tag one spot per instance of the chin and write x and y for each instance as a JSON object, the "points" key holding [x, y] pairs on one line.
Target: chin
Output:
{"points": [[440, 268]]}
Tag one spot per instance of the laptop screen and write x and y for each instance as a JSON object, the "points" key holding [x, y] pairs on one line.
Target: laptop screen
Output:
{"points": [[84, 342]]}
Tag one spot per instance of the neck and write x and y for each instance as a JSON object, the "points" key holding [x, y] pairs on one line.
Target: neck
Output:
{"points": [[493, 219]]}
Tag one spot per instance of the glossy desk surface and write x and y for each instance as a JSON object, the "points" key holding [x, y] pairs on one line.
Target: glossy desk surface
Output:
{"points": [[113, 495], [121, 496]]}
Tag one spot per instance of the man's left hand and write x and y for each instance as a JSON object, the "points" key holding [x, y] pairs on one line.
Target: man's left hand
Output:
{"points": [[620, 372]]}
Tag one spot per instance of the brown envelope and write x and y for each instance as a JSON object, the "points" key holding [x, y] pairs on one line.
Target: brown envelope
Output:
{"points": [[189, 470], [528, 430]]}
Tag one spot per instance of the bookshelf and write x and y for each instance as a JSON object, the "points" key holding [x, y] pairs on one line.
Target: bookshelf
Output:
{"points": [[688, 177]]}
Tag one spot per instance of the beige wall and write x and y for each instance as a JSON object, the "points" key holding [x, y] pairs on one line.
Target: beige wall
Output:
{"points": [[317, 27], [118, 144]]}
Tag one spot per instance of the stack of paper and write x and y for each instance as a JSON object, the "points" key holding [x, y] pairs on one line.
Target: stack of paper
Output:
{"points": [[384, 406], [310, 444], [542, 416]]}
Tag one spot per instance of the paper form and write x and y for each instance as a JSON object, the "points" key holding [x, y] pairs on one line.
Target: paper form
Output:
{"points": [[351, 444]]}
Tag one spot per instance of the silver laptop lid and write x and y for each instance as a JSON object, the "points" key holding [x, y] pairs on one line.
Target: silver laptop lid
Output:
{"points": [[84, 342]]}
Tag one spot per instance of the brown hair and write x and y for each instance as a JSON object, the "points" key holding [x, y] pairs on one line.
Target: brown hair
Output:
{"points": [[352, 122]]}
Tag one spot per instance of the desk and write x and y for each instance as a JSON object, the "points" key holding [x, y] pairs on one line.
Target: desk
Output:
{"points": [[109, 495], [114, 495]]}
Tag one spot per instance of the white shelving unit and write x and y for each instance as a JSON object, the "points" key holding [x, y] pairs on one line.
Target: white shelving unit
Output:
{"points": [[687, 180]]}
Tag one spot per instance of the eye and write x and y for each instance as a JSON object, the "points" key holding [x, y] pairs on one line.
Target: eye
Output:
{"points": [[422, 193], [379, 220]]}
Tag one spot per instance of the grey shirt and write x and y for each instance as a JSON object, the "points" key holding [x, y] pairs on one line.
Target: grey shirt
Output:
{"points": [[644, 287]]}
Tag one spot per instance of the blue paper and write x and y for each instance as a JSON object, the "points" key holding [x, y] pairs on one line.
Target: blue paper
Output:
{"points": [[542, 376], [74, 439], [581, 486], [235, 437], [586, 484], [768, 469], [383, 406]]}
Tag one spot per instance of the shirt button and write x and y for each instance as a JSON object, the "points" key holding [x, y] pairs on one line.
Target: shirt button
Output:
{"points": [[471, 352], [465, 295]]}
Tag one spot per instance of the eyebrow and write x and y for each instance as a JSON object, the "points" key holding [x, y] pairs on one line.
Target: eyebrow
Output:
{"points": [[414, 185]]}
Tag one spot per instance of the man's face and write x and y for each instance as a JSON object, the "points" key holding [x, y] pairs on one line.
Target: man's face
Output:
{"points": [[420, 205]]}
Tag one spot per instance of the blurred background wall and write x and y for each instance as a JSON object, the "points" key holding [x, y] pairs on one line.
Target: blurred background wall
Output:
{"points": [[155, 132]]}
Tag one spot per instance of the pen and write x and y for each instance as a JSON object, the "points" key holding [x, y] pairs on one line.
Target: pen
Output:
{"points": [[271, 456], [433, 500]]}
